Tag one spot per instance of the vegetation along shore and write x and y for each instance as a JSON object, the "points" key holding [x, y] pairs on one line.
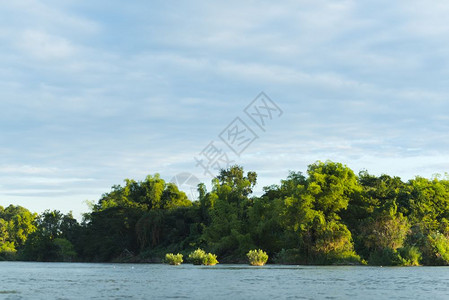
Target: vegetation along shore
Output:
{"points": [[329, 215]]}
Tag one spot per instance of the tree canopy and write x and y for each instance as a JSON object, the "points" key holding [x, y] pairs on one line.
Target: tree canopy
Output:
{"points": [[328, 215]]}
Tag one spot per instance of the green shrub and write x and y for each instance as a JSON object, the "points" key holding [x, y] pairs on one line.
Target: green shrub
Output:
{"points": [[210, 259], [7, 251], [406, 256], [385, 257], [173, 259], [197, 256], [410, 256], [288, 257], [439, 244], [200, 257], [66, 251], [344, 258], [257, 257]]}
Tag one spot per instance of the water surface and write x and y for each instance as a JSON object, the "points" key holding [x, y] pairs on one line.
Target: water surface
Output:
{"points": [[22, 280]]}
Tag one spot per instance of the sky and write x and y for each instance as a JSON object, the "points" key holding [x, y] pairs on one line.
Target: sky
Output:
{"points": [[93, 92]]}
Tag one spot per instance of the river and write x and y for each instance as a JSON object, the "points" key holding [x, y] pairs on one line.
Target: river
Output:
{"points": [[30, 280]]}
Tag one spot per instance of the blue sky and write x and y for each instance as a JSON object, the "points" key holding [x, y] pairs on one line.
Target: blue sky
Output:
{"points": [[95, 92]]}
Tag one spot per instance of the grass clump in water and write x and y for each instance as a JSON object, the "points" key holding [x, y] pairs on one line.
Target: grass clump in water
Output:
{"points": [[200, 257], [173, 259], [257, 257]]}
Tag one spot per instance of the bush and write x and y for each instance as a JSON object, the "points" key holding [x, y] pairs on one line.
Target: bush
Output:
{"points": [[7, 251], [66, 251], [439, 244], [288, 257], [344, 258], [210, 259], [173, 259], [257, 257], [410, 256], [199, 257], [406, 256], [385, 257]]}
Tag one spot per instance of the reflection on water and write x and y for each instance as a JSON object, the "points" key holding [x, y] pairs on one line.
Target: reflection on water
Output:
{"points": [[20, 280]]}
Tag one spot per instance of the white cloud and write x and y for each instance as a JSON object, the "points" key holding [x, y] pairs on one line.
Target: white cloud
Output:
{"points": [[26, 169], [44, 46], [106, 94], [50, 16], [427, 20], [267, 73]]}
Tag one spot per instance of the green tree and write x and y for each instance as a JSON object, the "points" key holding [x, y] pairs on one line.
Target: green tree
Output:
{"points": [[152, 193], [312, 212], [65, 250], [388, 230], [20, 224], [49, 241], [228, 233]]}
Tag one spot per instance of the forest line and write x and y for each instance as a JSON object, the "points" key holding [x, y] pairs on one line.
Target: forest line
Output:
{"points": [[329, 215]]}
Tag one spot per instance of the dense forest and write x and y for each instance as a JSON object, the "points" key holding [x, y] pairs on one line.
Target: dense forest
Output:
{"points": [[328, 216]]}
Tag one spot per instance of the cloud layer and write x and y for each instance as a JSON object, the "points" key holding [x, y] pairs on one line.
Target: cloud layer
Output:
{"points": [[92, 93]]}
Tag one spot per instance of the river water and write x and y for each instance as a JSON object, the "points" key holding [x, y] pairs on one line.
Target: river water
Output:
{"points": [[22, 280]]}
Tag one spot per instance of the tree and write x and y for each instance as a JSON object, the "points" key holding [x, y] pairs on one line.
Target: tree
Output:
{"points": [[228, 231], [388, 230], [49, 241], [152, 193], [19, 224], [7, 249], [312, 208]]}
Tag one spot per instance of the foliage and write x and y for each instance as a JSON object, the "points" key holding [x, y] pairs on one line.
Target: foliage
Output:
{"points": [[16, 224], [257, 257], [197, 256], [384, 257], [440, 246], [406, 256], [200, 257], [109, 233], [173, 259], [328, 215], [53, 238], [386, 231], [311, 212], [227, 233], [210, 259], [410, 256], [7, 251], [287, 256], [152, 193], [65, 249]]}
